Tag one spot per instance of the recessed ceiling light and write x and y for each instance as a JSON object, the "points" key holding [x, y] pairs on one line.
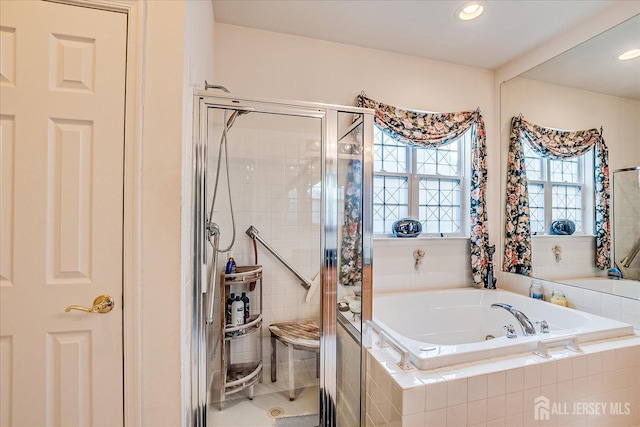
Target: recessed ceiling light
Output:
{"points": [[470, 11], [630, 54]]}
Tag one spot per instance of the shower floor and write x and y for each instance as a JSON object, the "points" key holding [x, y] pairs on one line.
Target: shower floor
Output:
{"points": [[239, 411]]}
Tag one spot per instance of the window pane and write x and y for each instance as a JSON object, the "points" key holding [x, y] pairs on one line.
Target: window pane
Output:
{"points": [[439, 205], [389, 155], [448, 160], [390, 201], [564, 170], [427, 161], [439, 161], [566, 203], [533, 164], [536, 207]]}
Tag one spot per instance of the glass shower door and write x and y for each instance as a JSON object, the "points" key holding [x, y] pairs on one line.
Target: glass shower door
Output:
{"points": [[354, 264], [293, 198], [264, 368]]}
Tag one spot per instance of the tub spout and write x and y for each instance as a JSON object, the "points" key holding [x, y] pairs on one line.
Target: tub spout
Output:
{"points": [[525, 323]]}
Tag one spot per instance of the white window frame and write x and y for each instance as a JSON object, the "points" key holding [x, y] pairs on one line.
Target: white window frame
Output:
{"points": [[413, 182], [585, 183]]}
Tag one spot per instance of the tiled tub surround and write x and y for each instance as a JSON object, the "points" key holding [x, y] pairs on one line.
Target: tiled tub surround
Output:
{"points": [[441, 328], [445, 265], [502, 391], [590, 301]]}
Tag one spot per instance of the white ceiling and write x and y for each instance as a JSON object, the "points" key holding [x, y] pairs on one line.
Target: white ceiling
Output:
{"points": [[427, 29]]}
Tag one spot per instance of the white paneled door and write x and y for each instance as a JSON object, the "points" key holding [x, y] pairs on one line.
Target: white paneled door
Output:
{"points": [[62, 97]]}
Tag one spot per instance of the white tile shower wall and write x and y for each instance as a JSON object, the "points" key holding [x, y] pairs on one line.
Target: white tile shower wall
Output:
{"points": [[445, 264], [600, 386], [594, 302], [274, 176]]}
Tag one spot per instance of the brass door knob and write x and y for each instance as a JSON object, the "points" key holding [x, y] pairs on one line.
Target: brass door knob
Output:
{"points": [[103, 304]]}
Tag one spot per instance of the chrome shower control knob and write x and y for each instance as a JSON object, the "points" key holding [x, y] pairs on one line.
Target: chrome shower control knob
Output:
{"points": [[511, 331], [544, 327]]}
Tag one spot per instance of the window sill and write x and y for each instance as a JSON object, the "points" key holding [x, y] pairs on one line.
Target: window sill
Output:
{"points": [[555, 236], [419, 238]]}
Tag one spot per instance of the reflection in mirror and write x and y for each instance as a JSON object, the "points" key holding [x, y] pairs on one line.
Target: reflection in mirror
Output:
{"points": [[584, 88], [626, 191]]}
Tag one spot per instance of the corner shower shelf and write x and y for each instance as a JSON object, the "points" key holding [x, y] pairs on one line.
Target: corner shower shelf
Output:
{"points": [[236, 377], [242, 376], [244, 330], [244, 274]]}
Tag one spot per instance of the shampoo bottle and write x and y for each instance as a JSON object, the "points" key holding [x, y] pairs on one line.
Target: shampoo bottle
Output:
{"points": [[237, 312], [228, 309], [245, 300]]}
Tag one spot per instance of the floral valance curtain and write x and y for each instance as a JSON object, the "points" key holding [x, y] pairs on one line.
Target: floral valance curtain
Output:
{"points": [[435, 130], [553, 144]]}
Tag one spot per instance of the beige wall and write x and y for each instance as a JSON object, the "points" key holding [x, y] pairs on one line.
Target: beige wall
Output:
{"points": [[268, 64], [160, 222], [175, 62]]}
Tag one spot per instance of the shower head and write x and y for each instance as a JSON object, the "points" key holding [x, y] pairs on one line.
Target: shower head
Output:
{"points": [[234, 115]]}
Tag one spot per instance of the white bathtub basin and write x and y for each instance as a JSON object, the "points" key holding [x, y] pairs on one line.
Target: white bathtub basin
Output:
{"points": [[441, 328]]}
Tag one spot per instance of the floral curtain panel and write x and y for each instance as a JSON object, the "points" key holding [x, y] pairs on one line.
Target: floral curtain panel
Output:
{"points": [[553, 144], [351, 249], [435, 130]]}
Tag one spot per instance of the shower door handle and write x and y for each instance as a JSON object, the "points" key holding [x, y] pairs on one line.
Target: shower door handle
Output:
{"points": [[101, 305]]}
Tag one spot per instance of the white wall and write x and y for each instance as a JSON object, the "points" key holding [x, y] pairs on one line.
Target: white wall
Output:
{"points": [[268, 64], [174, 62], [161, 208]]}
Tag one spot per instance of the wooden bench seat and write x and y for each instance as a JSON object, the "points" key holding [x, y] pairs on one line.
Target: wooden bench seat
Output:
{"points": [[303, 335]]}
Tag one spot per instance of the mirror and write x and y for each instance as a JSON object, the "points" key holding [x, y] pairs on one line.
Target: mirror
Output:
{"points": [[583, 88]]}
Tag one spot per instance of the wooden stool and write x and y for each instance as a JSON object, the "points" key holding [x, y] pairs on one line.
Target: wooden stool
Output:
{"points": [[304, 335]]}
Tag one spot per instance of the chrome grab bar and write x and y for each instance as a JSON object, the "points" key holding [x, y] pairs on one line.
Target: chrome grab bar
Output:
{"points": [[384, 340], [626, 261], [253, 233]]}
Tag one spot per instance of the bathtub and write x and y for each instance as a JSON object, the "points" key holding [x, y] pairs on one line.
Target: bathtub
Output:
{"points": [[623, 287], [442, 328]]}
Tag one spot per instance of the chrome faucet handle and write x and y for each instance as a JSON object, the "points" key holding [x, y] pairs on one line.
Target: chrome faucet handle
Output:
{"points": [[544, 326], [511, 331]]}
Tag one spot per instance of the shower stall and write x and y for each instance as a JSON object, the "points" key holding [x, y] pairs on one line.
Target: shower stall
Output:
{"points": [[285, 189]]}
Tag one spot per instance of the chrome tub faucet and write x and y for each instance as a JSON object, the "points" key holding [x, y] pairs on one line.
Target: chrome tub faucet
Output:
{"points": [[525, 323]]}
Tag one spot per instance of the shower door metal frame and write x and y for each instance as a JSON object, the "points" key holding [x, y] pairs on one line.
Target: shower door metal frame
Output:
{"points": [[329, 245]]}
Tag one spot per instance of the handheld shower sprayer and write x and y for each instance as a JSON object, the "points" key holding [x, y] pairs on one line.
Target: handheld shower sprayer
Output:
{"points": [[228, 123]]}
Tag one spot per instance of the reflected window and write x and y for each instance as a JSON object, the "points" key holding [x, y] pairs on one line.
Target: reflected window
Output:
{"points": [[556, 190], [424, 183]]}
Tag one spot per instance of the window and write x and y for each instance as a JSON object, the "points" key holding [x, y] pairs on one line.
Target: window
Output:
{"points": [[557, 190], [424, 183]]}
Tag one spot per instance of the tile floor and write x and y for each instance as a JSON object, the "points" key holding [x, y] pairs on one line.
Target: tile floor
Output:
{"points": [[241, 412]]}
